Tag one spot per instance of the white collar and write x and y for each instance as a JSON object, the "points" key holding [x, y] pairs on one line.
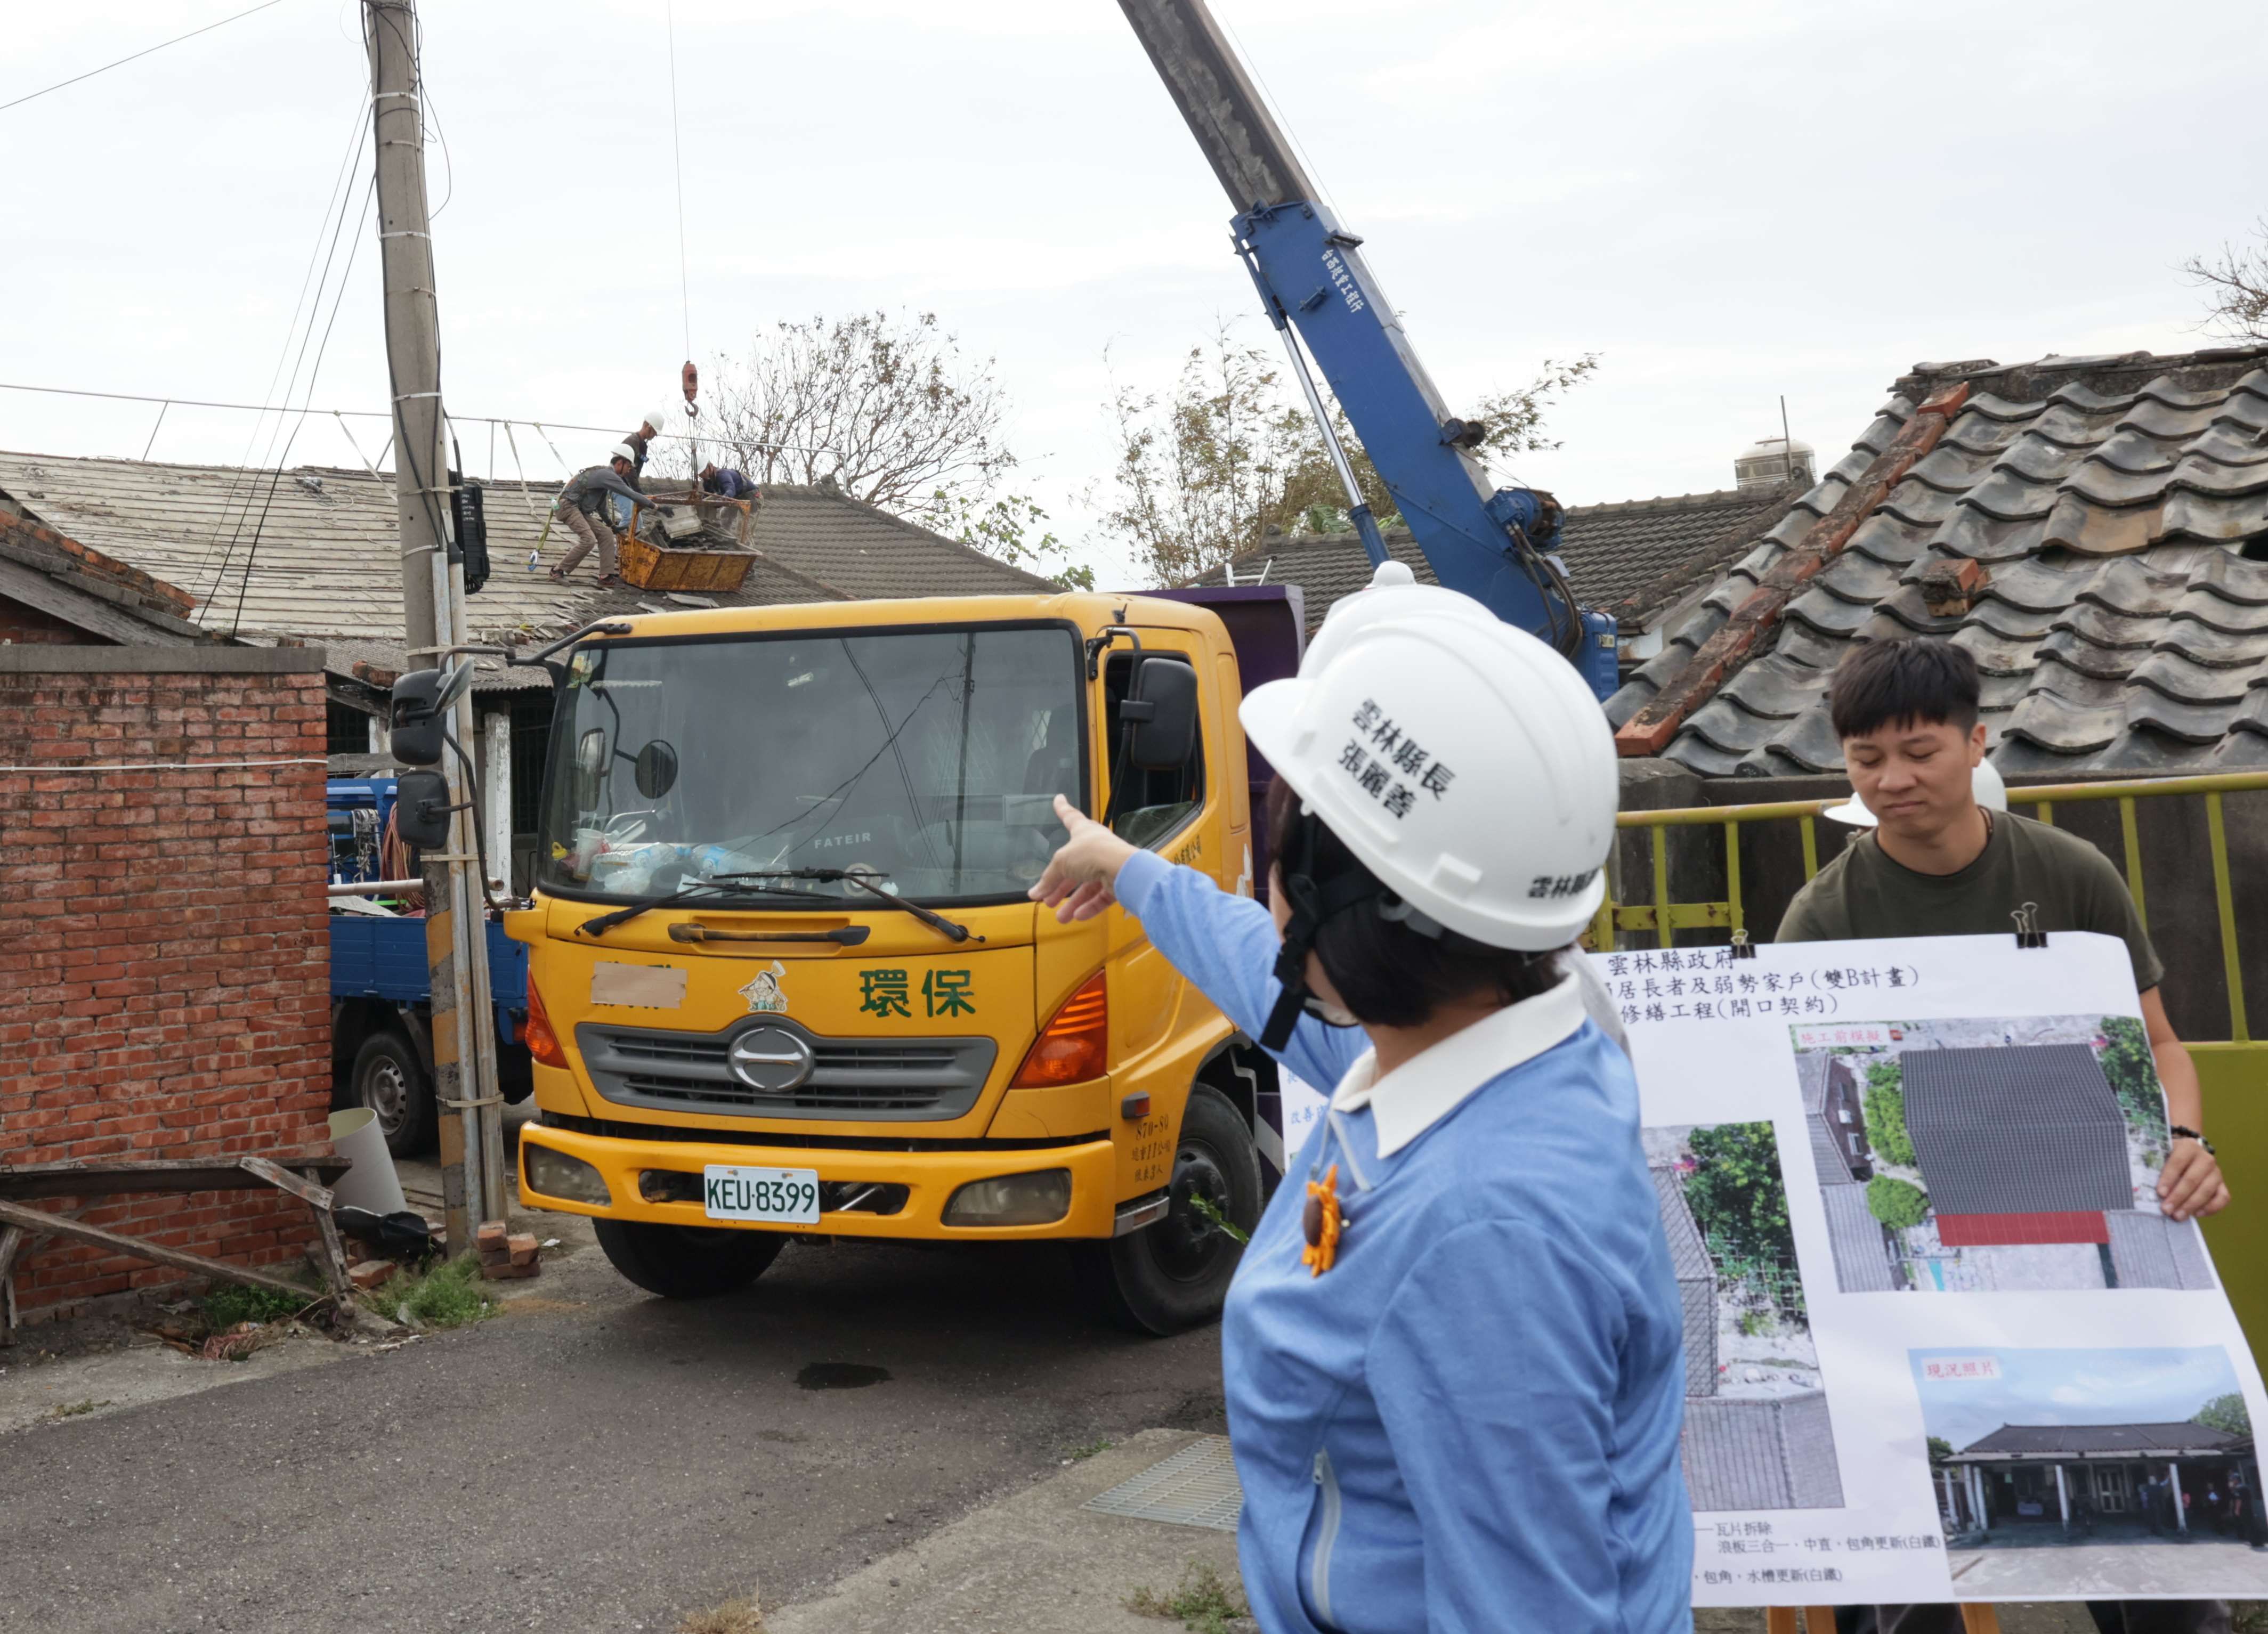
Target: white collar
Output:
{"points": [[1437, 1080]]}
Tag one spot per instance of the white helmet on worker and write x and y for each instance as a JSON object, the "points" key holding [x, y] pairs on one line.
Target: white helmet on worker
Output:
{"points": [[1984, 783], [623, 451], [658, 420], [1462, 762], [1393, 591]]}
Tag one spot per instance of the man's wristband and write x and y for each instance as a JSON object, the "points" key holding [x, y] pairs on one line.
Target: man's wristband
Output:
{"points": [[2182, 1131]]}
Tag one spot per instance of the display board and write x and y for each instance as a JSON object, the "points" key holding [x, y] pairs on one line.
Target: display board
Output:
{"points": [[1940, 1343]]}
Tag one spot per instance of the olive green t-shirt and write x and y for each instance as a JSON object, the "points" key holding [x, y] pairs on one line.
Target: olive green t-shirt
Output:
{"points": [[1863, 895]]}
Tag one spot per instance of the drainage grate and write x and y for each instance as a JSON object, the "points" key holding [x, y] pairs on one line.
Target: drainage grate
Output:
{"points": [[1195, 1487]]}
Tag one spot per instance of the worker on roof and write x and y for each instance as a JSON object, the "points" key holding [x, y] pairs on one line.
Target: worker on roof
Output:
{"points": [[640, 443], [582, 510], [728, 483], [1452, 1350]]}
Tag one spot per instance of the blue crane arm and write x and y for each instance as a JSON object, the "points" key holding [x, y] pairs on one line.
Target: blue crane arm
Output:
{"points": [[1491, 543]]}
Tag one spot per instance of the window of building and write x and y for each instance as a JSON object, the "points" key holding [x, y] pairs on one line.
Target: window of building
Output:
{"points": [[346, 729]]}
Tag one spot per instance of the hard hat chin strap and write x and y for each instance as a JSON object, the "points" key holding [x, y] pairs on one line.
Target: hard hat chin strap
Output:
{"points": [[1313, 902]]}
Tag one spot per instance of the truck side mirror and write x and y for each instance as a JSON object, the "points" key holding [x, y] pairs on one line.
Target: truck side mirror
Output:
{"points": [[421, 809], [423, 699], [655, 769], [1161, 713]]}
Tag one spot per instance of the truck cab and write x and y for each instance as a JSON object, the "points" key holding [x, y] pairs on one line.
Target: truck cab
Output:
{"points": [[785, 977]]}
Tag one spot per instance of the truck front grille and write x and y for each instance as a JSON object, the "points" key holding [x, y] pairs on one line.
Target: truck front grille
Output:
{"points": [[909, 1079]]}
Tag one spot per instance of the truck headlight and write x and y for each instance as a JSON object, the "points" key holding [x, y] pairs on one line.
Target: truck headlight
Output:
{"points": [[1038, 1199], [556, 1175]]}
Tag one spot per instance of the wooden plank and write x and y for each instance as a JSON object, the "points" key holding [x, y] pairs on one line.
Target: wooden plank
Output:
{"points": [[1818, 1619], [1978, 1618], [56, 1225], [307, 1191], [320, 1199], [12, 1241], [97, 1178]]}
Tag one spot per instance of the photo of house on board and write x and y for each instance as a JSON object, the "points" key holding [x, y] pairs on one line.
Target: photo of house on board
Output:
{"points": [[1981, 1155], [1756, 1431], [2056, 1470]]}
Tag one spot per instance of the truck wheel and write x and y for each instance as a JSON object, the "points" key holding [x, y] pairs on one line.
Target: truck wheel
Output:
{"points": [[688, 1262], [390, 1081], [1174, 1275]]}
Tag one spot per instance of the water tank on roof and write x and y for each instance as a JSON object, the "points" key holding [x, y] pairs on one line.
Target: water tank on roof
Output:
{"points": [[1774, 460]]}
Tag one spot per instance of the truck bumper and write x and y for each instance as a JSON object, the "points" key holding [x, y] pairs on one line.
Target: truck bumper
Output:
{"points": [[929, 1179]]}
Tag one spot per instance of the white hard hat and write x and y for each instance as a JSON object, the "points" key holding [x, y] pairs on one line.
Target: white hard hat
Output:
{"points": [[1985, 786], [658, 419], [1463, 761], [1393, 591], [623, 451]]}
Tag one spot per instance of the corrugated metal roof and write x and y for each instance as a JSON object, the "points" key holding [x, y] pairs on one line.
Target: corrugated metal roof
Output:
{"points": [[1775, 1453], [328, 565], [2021, 1129], [2150, 1251], [1696, 1281], [2120, 506], [2104, 1441], [1862, 1256]]}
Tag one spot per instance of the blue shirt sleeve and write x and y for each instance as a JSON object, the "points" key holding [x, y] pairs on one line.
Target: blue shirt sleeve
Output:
{"points": [[1227, 945], [1496, 1369]]}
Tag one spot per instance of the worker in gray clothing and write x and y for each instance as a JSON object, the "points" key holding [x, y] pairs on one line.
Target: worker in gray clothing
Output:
{"points": [[582, 509]]}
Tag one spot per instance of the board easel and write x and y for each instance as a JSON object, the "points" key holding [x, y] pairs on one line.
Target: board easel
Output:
{"points": [[1975, 1618]]}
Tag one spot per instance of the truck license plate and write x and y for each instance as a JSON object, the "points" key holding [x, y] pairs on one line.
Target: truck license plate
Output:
{"points": [[790, 1196]]}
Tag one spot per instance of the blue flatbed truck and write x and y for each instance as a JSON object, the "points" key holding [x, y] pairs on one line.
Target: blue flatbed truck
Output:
{"points": [[382, 1000]]}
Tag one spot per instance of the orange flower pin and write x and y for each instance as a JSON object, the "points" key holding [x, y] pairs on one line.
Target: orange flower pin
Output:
{"points": [[1323, 1220]]}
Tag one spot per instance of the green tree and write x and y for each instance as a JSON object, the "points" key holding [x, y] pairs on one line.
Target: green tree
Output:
{"points": [[1896, 1203], [2225, 1412], [1740, 1203], [1003, 528], [1205, 472], [2133, 1074], [1939, 1449], [1884, 1103]]}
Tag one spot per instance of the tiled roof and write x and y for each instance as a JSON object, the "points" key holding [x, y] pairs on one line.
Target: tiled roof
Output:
{"points": [[2150, 1251], [1631, 558], [328, 565], [2104, 1441], [2119, 507], [1775, 1453], [1696, 1281], [1862, 1260], [2021, 1129]]}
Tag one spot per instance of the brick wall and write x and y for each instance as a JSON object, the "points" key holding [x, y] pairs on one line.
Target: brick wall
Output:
{"points": [[164, 958]]}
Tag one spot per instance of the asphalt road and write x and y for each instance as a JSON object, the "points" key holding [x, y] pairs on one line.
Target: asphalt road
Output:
{"points": [[594, 1459]]}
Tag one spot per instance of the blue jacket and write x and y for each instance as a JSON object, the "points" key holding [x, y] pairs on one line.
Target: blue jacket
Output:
{"points": [[1470, 1423]]}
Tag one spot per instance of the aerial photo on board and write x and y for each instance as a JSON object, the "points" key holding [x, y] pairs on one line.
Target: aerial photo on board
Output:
{"points": [[1981, 1155], [1757, 1434]]}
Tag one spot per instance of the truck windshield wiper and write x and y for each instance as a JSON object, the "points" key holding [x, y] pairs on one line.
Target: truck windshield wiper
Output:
{"points": [[700, 890], [864, 879]]}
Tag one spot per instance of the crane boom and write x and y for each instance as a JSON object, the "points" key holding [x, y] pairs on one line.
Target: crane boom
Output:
{"points": [[1489, 542]]}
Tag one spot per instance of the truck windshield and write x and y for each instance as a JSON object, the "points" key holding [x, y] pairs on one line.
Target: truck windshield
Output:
{"points": [[930, 757]]}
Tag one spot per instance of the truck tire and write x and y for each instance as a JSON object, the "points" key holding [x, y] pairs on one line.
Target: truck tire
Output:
{"points": [[389, 1080], [688, 1262], [1173, 1275]]}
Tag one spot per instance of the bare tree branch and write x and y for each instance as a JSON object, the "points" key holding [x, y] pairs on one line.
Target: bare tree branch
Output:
{"points": [[2236, 287]]}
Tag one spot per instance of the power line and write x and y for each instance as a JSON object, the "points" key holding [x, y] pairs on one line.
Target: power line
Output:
{"points": [[677, 153], [367, 413], [136, 57]]}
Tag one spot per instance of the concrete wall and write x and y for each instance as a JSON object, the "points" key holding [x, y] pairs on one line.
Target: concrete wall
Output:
{"points": [[2176, 874], [163, 957]]}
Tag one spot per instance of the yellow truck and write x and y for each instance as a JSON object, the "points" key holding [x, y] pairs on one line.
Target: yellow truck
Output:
{"points": [[784, 978]]}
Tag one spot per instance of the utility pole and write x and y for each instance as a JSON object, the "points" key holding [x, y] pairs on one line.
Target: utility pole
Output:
{"points": [[432, 602]]}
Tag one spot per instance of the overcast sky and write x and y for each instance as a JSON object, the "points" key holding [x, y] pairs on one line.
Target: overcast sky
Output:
{"points": [[2152, 1386], [1728, 203]]}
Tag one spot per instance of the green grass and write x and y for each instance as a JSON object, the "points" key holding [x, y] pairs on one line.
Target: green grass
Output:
{"points": [[447, 1295], [1089, 1449], [232, 1302], [75, 1409], [1201, 1601]]}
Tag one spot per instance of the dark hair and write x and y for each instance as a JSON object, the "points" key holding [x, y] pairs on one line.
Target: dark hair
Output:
{"points": [[1388, 973], [1911, 681]]}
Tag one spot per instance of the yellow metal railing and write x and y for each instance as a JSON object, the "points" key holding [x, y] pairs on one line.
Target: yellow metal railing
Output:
{"points": [[1663, 918]]}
